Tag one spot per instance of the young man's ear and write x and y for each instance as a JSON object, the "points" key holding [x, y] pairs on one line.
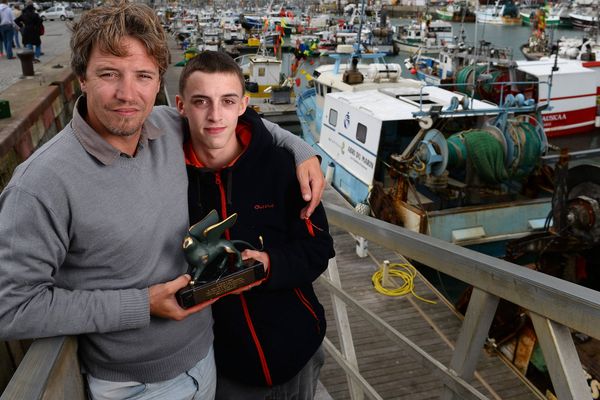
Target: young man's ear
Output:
{"points": [[244, 104], [179, 103]]}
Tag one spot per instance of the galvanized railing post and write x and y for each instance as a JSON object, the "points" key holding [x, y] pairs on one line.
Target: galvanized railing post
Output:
{"points": [[472, 336], [342, 322], [561, 359]]}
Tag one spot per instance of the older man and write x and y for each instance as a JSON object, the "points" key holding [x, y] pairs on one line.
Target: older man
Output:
{"points": [[91, 224]]}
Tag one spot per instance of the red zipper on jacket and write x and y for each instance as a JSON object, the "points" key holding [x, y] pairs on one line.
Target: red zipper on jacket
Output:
{"points": [[219, 183], [261, 354], [308, 306]]}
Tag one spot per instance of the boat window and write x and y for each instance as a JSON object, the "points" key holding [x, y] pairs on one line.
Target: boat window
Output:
{"points": [[361, 133], [328, 89], [261, 71], [333, 115]]}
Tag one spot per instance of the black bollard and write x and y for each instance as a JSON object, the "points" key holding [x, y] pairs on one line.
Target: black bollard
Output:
{"points": [[26, 57]]}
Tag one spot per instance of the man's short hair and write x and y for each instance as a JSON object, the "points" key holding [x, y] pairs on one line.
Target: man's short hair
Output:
{"points": [[107, 25], [211, 62]]}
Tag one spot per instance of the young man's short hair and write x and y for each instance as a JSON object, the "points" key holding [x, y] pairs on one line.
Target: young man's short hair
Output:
{"points": [[211, 62]]}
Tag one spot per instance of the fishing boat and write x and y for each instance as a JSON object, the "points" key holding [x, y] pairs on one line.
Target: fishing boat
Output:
{"points": [[357, 116], [553, 15], [268, 85], [233, 32], [457, 11], [210, 38], [585, 48], [499, 14], [575, 93], [586, 17], [426, 37]]}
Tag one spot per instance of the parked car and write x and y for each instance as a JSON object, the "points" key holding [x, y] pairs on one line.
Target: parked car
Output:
{"points": [[55, 12]]}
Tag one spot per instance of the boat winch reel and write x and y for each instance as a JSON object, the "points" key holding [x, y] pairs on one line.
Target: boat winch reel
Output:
{"points": [[517, 100], [581, 209], [433, 152]]}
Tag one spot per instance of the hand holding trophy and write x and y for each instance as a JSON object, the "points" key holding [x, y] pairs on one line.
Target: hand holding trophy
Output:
{"points": [[216, 264]]}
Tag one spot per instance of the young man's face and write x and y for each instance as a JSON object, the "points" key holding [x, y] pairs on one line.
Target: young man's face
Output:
{"points": [[120, 91], [212, 103]]}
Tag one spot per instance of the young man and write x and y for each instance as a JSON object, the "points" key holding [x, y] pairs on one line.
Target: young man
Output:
{"points": [[268, 339], [91, 224]]}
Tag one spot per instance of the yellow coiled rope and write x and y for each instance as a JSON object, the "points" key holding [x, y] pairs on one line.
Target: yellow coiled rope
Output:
{"points": [[404, 271]]}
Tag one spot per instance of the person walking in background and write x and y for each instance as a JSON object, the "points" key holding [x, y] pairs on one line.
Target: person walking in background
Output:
{"points": [[16, 14], [7, 26], [30, 24]]}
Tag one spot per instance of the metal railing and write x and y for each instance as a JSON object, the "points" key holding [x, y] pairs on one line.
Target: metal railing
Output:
{"points": [[554, 305]]}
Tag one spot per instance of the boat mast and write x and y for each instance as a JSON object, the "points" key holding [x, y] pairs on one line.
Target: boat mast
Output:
{"points": [[360, 25]]}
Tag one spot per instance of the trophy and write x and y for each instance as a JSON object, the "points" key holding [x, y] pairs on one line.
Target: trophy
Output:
{"points": [[216, 265]]}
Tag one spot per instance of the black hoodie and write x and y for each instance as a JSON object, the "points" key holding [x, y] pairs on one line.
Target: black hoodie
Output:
{"points": [[265, 336]]}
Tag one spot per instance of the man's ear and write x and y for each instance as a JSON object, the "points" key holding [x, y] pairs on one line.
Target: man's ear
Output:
{"points": [[244, 104], [82, 83], [179, 103]]}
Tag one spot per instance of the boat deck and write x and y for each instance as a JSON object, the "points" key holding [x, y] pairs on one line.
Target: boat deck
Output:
{"points": [[434, 327]]}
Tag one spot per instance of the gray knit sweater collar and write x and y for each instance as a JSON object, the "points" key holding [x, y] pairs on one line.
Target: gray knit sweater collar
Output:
{"points": [[95, 145]]}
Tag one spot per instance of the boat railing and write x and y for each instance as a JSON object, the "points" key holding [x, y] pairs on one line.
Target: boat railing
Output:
{"points": [[555, 307], [50, 368], [305, 109], [509, 105]]}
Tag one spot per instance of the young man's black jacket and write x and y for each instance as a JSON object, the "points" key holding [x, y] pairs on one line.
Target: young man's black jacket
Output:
{"points": [[266, 335]]}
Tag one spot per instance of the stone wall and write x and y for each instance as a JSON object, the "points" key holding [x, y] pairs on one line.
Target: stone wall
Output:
{"points": [[36, 121], [39, 111]]}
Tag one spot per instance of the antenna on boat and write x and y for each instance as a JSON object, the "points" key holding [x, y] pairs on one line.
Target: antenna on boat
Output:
{"points": [[554, 69], [360, 25]]}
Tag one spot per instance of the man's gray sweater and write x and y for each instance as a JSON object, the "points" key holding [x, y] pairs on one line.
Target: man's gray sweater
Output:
{"points": [[83, 236]]}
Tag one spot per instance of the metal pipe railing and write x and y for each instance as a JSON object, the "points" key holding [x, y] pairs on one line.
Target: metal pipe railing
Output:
{"points": [[559, 300]]}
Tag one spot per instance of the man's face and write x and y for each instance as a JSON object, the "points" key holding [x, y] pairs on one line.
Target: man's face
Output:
{"points": [[120, 91], [212, 102]]}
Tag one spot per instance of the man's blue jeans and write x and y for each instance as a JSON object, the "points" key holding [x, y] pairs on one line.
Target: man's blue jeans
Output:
{"points": [[198, 383], [7, 38]]}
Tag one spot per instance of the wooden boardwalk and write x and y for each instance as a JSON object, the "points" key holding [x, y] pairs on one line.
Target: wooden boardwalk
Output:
{"points": [[433, 327]]}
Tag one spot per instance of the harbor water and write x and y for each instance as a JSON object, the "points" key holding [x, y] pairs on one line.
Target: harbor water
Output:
{"points": [[505, 36]]}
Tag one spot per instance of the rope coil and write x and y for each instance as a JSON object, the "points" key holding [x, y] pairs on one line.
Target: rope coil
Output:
{"points": [[404, 271]]}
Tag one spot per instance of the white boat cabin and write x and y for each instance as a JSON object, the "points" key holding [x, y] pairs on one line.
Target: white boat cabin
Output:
{"points": [[264, 70], [575, 94], [360, 127]]}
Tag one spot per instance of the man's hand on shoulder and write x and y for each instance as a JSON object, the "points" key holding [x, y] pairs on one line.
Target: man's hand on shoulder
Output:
{"points": [[163, 303], [312, 184]]}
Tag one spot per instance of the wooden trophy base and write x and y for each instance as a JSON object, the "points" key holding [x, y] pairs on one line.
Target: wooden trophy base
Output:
{"points": [[203, 291]]}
